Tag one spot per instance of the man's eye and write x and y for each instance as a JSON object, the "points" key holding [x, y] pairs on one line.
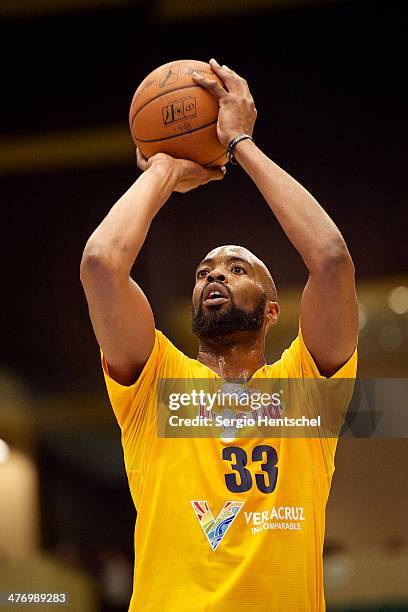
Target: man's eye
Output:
{"points": [[202, 273], [238, 269]]}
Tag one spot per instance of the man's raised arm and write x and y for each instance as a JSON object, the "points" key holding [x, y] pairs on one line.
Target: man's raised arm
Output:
{"points": [[328, 310], [329, 314], [121, 315]]}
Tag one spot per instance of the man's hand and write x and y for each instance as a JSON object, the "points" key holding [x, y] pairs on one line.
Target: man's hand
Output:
{"points": [[185, 175], [237, 112]]}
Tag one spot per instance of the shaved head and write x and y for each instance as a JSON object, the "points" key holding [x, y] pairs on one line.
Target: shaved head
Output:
{"points": [[234, 292], [247, 255]]}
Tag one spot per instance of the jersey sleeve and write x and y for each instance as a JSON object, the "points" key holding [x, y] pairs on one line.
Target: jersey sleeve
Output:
{"points": [[329, 400], [299, 363], [134, 406]]}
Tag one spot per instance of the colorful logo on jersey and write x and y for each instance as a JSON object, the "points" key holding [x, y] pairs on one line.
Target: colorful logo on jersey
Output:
{"points": [[216, 528]]}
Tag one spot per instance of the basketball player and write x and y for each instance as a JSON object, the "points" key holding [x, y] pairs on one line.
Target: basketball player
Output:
{"points": [[223, 525]]}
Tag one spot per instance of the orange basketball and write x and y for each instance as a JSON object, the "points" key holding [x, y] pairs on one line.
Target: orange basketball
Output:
{"points": [[171, 114]]}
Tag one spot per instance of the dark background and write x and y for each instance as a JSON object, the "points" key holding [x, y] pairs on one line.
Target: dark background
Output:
{"points": [[328, 84]]}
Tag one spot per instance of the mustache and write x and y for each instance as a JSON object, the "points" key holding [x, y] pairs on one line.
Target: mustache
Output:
{"points": [[216, 323], [227, 289]]}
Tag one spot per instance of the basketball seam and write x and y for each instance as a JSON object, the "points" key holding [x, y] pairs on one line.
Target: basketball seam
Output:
{"points": [[160, 95], [177, 135]]}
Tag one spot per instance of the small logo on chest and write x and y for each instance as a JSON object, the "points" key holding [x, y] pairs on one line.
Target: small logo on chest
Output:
{"points": [[216, 528]]}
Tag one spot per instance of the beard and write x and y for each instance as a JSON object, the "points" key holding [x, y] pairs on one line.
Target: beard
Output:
{"points": [[218, 322]]}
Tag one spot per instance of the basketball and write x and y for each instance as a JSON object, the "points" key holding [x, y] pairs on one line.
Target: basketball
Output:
{"points": [[171, 114]]}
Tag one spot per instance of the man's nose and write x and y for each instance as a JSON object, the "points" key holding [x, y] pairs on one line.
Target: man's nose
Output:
{"points": [[216, 275]]}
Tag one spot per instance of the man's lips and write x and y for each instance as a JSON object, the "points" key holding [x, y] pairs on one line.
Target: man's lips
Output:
{"points": [[215, 294]]}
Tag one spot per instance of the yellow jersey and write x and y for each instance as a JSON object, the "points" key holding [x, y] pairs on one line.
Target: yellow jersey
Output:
{"points": [[214, 533]]}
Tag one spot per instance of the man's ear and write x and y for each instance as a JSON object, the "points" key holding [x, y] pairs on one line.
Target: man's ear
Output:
{"points": [[272, 313]]}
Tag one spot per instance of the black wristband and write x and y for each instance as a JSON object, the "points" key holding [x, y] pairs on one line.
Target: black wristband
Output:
{"points": [[233, 144]]}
